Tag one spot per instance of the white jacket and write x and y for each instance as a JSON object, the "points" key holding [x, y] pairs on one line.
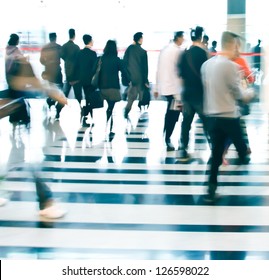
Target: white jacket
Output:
{"points": [[168, 81]]}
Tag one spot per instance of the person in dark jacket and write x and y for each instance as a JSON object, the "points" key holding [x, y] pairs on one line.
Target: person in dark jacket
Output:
{"points": [[109, 82], [136, 60], [189, 66], [69, 53], [50, 57], [86, 62]]}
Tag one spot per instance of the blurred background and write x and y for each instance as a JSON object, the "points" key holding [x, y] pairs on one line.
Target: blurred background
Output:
{"points": [[33, 20]]}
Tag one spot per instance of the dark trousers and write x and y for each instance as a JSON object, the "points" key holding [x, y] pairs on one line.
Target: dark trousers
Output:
{"points": [[220, 129], [77, 90], [188, 111], [109, 111], [66, 89], [133, 92], [51, 102], [88, 92], [43, 192], [171, 117]]}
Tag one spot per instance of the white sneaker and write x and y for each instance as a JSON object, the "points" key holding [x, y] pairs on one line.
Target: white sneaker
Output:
{"points": [[52, 212], [3, 201]]}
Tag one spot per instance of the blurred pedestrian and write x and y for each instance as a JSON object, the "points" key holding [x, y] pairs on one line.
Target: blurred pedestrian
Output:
{"points": [[109, 83], [69, 53], [190, 63], [222, 91], [22, 80], [50, 57], [86, 61], [169, 84], [136, 60]]}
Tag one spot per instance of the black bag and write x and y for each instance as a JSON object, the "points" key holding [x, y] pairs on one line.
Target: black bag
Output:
{"points": [[96, 100], [244, 108], [176, 105], [146, 97], [21, 115], [95, 78]]}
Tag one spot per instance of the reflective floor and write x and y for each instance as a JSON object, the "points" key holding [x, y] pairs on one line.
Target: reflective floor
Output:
{"points": [[126, 197]]}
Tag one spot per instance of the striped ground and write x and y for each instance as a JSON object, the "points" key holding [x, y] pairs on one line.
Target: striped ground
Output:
{"points": [[128, 198]]}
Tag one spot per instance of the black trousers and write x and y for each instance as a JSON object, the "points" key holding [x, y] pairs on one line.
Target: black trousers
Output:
{"points": [[88, 92], [189, 111], [219, 130], [171, 117], [77, 90]]}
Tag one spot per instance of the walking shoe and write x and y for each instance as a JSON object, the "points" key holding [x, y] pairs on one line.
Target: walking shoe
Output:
{"points": [[57, 116], [169, 147], [84, 123], [211, 199], [243, 161], [183, 155], [3, 201], [52, 212], [50, 102], [111, 136]]}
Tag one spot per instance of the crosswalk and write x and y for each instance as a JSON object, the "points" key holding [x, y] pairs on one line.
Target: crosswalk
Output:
{"points": [[128, 198]]}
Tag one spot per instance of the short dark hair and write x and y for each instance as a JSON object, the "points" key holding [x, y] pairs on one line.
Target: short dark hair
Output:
{"points": [[178, 34], [196, 34], [13, 40], [205, 38], [138, 36], [72, 33], [52, 36], [87, 39]]}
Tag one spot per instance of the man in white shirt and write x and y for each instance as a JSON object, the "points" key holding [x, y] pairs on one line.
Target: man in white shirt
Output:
{"points": [[168, 83]]}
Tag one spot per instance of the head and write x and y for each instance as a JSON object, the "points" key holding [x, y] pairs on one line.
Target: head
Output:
{"points": [[205, 39], [214, 44], [230, 44], [197, 34], [138, 38], [14, 40], [87, 39], [111, 48], [53, 37], [71, 33], [178, 37]]}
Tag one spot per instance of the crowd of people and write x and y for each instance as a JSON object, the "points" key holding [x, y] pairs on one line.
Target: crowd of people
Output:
{"points": [[196, 80]]}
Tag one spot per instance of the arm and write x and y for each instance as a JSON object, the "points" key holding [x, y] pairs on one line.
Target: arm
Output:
{"points": [[125, 76], [235, 85], [247, 73], [145, 68]]}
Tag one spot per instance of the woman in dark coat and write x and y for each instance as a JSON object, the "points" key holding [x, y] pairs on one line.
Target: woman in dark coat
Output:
{"points": [[109, 83]]}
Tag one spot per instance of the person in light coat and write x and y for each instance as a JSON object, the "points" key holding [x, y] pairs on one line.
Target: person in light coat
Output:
{"points": [[168, 83]]}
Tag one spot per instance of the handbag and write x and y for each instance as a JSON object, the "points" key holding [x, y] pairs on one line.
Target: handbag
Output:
{"points": [[176, 105], [96, 100], [95, 78], [146, 97]]}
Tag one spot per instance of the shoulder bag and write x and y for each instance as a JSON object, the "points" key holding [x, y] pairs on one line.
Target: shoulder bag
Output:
{"points": [[95, 78]]}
